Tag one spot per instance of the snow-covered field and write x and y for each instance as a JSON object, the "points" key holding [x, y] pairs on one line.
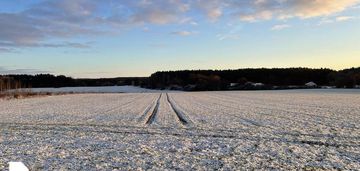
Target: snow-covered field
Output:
{"points": [[287, 130], [104, 89]]}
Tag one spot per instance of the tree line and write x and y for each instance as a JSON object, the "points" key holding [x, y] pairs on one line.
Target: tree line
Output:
{"points": [[49, 80], [199, 80], [280, 78], [7, 83]]}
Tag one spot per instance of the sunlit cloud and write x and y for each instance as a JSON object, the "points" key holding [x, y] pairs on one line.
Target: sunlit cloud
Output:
{"points": [[66, 20], [283, 9], [213, 9]]}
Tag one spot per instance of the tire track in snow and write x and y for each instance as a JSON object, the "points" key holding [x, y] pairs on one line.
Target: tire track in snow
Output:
{"points": [[183, 118], [151, 118], [244, 121], [147, 110]]}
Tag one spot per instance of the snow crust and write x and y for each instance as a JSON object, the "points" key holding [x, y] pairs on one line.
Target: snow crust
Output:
{"points": [[265, 130], [103, 89]]}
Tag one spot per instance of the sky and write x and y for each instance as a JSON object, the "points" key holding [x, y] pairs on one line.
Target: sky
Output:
{"points": [[117, 38]]}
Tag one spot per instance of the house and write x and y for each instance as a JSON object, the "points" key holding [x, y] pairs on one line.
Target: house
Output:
{"points": [[258, 84], [311, 84], [234, 84]]}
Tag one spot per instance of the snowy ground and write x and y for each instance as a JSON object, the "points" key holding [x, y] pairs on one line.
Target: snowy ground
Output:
{"points": [[104, 89], [288, 130]]}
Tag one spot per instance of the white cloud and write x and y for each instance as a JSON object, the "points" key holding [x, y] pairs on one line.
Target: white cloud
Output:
{"points": [[344, 18], [6, 50], [188, 20], [280, 27], [6, 71], [262, 15], [183, 33], [335, 19], [228, 36], [146, 29], [325, 21]]}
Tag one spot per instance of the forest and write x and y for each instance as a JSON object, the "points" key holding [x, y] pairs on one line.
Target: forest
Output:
{"points": [[48, 80], [243, 79], [202, 80]]}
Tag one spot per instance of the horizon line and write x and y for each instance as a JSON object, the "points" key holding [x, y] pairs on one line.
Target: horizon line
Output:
{"points": [[49, 73]]}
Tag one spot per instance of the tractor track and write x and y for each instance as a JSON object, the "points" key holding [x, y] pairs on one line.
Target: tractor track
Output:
{"points": [[151, 118], [152, 111], [182, 117], [145, 113]]}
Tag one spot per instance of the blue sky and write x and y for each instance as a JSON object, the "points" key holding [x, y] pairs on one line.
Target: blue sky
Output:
{"points": [[110, 38]]}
